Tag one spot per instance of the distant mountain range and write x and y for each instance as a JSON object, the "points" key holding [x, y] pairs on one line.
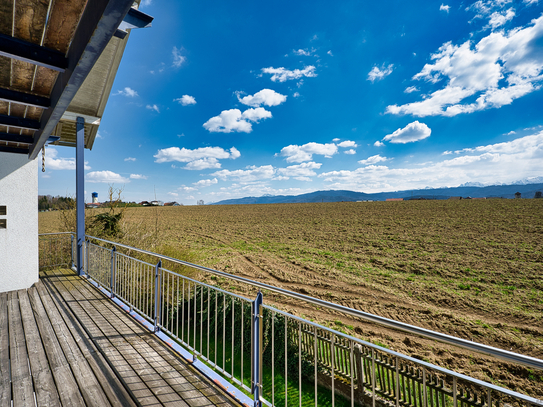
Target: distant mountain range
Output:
{"points": [[473, 190]]}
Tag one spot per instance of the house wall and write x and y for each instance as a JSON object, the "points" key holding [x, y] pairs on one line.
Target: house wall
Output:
{"points": [[19, 241]]}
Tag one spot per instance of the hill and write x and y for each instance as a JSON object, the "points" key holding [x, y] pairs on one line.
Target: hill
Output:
{"points": [[493, 191]]}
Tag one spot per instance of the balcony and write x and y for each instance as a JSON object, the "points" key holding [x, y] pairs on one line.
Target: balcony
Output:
{"points": [[131, 332]]}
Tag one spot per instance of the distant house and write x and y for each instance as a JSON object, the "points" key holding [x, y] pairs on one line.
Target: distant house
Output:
{"points": [[394, 199], [171, 204], [156, 203], [93, 205], [144, 203], [518, 195]]}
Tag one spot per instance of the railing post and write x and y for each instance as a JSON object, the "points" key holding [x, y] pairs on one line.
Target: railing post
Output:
{"points": [[256, 349], [72, 251], [158, 273], [113, 271], [87, 244], [359, 365]]}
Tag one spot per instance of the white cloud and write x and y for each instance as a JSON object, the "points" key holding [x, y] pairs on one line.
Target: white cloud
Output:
{"points": [[205, 183], [490, 164], [298, 171], [203, 163], [411, 89], [330, 53], [106, 177], [412, 132], [252, 173], [233, 120], [174, 194], [376, 73], [335, 140], [530, 2], [444, 7], [266, 97], [497, 19], [347, 143], [283, 74], [197, 159], [378, 144], [145, 3], [374, 159], [298, 154], [501, 67], [186, 100], [178, 59], [129, 92], [137, 176], [296, 95], [130, 159], [350, 151], [153, 108], [54, 163], [303, 52]]}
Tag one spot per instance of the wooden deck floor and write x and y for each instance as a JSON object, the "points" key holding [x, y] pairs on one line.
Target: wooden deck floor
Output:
{"points": [[62, 343]]}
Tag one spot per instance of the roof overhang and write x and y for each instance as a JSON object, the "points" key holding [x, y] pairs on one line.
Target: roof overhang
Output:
{"points": [[58, 60]]}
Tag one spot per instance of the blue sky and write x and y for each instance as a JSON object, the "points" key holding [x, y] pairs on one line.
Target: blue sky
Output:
{"points": [[222, 100]]}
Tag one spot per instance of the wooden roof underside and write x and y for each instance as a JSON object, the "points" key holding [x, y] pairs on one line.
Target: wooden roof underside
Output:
{"points": [[52, 24]]}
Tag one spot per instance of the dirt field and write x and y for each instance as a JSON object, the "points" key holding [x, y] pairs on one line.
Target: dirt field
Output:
{"points": [[472, 269]]}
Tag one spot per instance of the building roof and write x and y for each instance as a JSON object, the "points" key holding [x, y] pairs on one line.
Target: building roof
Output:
{"points": [[58, 60]]}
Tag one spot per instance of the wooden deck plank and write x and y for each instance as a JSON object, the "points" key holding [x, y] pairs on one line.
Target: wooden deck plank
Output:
{"points": [[127, 373], [85, 379], [21, 380], [44, 384], [66, 385], [5, 378], [90, 327], [180, 375], [65, 325], [126, 342]]}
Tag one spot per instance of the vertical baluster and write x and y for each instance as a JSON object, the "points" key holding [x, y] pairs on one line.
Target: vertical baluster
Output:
{"points": [[194, 319], [333, 374], [351, 370], [373, 377], [273, 357], [286, 361], [242, 337], [208, 316], [216, 316], [232, 351], [315, 351], [300, 363]]}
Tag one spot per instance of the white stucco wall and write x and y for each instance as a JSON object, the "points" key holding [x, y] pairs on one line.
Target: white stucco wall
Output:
{"points": [[19, 242]]}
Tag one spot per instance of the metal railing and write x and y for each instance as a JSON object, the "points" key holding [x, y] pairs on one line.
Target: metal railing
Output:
{"points": [[279, 358]]}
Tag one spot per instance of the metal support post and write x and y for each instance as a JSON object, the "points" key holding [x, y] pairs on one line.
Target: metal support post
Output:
{"points": [[80, 191], [87, 264], [256, 349], [113, 276], [158, 269]]}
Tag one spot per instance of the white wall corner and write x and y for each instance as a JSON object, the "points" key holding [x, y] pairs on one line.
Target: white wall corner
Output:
{"points": [[19, 240]]}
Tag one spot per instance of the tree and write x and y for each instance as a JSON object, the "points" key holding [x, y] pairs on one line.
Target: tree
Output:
{"points": [[538, 195], [200, 202]]}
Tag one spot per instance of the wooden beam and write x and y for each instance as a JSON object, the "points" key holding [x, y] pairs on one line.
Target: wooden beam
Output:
{"points": [[15, 150], [19, 122], [16, 138], [15, 48], [24, 98]]}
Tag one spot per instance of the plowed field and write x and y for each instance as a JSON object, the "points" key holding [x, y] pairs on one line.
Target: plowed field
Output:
{"points": [[469, 268]]}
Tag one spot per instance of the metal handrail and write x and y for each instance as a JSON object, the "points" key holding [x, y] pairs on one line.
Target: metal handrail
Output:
{"points": [[438, 336]]}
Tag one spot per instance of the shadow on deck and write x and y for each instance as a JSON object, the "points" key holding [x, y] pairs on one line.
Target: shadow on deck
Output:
{"points": [[62, 342]]}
